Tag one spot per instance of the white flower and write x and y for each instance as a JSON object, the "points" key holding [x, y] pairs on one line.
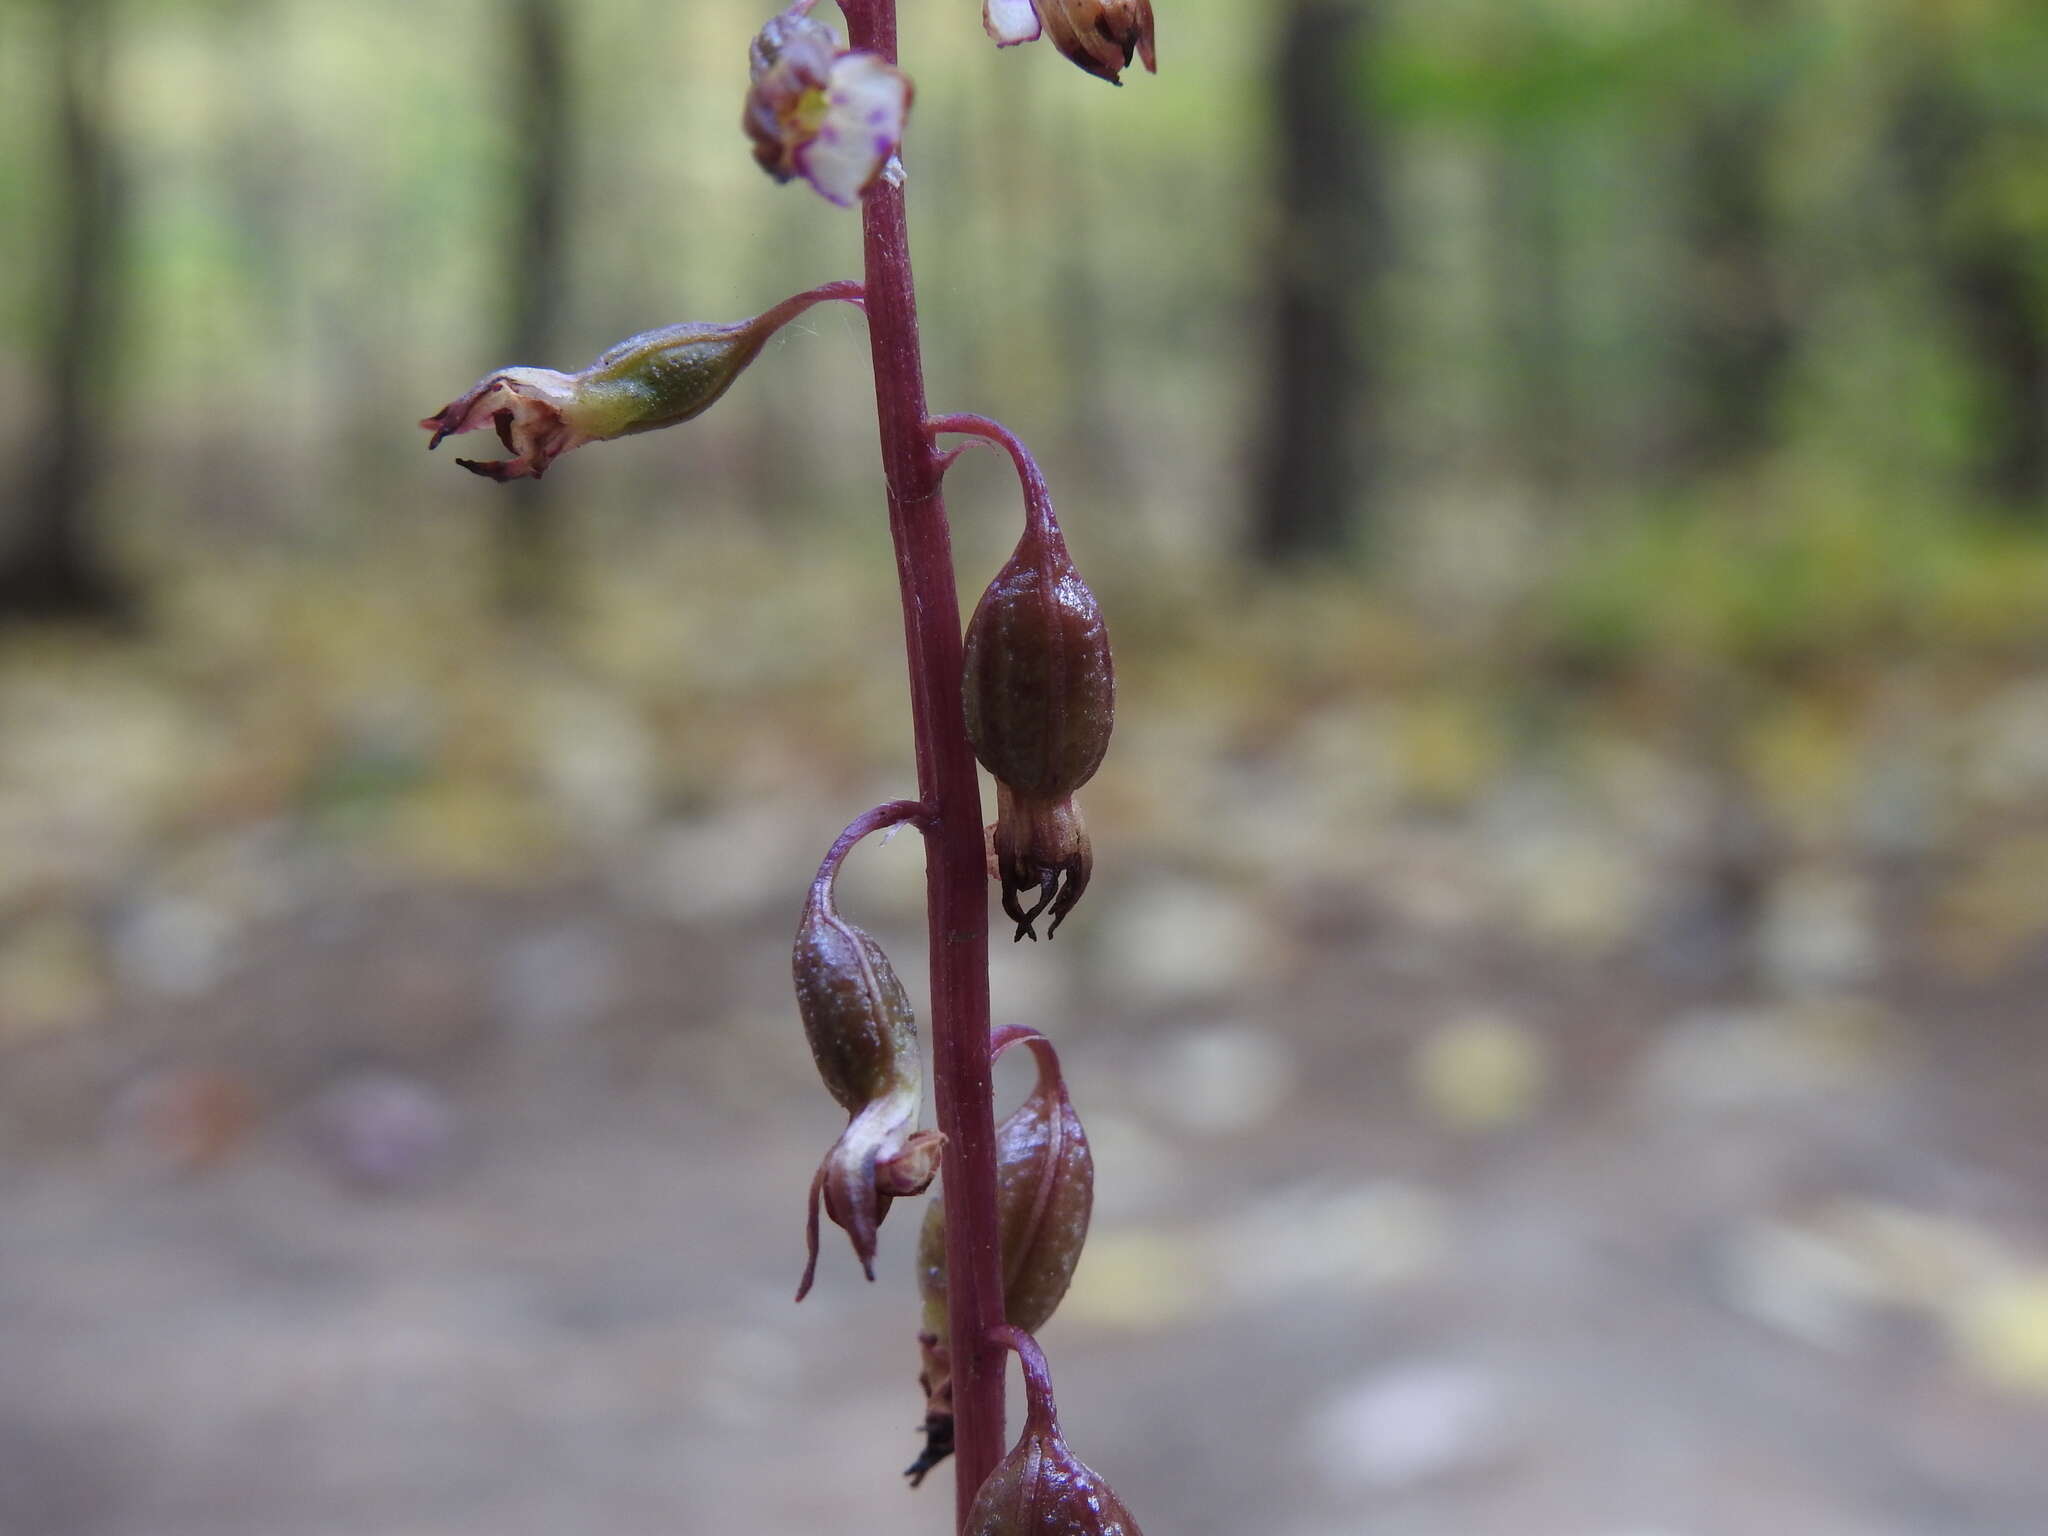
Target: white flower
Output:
{"points": [[1011, 22], [817, 111]]}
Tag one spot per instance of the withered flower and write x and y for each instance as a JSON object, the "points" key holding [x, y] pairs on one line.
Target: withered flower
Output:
{"points": [[863, 1038], [656, 379], [1099, 35], [1045, 1190], [1042, 1488], [818, 111], [1040, 697]]}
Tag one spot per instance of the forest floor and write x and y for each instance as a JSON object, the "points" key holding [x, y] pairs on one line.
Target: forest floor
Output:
{"points": [[1505, 1125]]}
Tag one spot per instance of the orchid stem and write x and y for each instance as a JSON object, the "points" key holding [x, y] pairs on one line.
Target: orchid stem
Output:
{"points": [[956, 870]]}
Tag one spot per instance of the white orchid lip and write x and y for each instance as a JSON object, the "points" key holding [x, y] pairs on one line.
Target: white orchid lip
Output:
{"points": [[866, 103], [1011, 22]]}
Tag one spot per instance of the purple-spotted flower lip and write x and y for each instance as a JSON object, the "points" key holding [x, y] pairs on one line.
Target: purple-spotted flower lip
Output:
{"points": [[817, 110]]}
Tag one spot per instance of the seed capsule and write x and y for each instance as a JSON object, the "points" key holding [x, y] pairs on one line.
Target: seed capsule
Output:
{"points": [[1045, 1190], [1040, 688], [642, 384], [863, 1037], [1040, 698], [1041, 1488]]}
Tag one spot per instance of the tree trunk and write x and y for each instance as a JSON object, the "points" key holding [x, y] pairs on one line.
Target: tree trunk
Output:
{"points": [[1735, 333], [1534, 297], [531, 556], [1320, 454], [55, 567], [1989, 279]]}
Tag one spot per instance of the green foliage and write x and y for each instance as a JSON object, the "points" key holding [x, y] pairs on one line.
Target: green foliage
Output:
{"points": [[321, 215], [1792, 573]]}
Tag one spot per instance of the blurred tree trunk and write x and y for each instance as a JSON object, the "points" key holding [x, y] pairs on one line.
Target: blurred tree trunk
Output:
{"points": [[56, 566], [531, 555], [1735, 332], [1534, 307], [1081, 321], [1319, 456], [1990, 275]]}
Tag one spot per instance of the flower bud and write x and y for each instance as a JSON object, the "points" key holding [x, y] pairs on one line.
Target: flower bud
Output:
{"points": [[1042, 1488], [863, 1037], [646, 382], [1101, 35], [1039, 690], [1045, 1189]]}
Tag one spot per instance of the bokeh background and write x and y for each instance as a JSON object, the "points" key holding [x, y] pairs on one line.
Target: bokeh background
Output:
{"points": [[1560, 1013]]}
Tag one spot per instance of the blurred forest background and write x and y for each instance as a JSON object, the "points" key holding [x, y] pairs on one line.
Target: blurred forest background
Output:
{"points": [[1560, 1010]]}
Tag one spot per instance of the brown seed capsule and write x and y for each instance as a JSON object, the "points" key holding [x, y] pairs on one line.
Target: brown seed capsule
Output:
{"points": [[863, 1037], [1041, 1488], [1045, 1190], [1040, 698]]}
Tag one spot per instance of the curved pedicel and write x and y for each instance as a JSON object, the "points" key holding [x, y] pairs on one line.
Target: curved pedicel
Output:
{"points": [[863, 1037], [1042, 1488], [1045, 1191]]}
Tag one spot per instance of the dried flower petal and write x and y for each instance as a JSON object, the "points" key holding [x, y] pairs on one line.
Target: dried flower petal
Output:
{"points": [[1039, 846], [1101, 35], [527, 407]]}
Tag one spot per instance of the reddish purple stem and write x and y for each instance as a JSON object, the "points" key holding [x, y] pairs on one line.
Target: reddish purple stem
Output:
{"points": [[956, 870]]}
